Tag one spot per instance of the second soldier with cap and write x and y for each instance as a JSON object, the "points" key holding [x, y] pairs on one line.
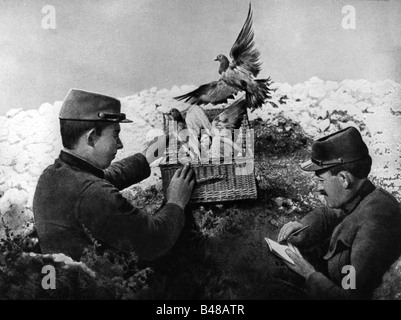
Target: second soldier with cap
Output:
{"points": [[361, 223], [78, 200]]}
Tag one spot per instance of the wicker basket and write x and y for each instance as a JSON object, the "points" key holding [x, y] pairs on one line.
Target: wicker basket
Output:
{"points": [[216, 181]]}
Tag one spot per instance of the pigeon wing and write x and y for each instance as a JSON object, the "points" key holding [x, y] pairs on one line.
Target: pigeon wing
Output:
{"points": [[232, 116], [243, 53], [215, 92], [197, 120]]}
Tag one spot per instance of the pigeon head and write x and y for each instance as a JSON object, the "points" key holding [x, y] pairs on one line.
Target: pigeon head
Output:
{"points": [[221, 57], [224, 62], [175, 114]]}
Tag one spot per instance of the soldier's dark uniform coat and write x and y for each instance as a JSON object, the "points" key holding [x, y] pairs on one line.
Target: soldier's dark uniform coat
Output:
{"points": [[72, 195], [365, 234]]}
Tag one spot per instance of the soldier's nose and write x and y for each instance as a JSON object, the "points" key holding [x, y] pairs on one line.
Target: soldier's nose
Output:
{"points": [[119, 144], [320, 188]]}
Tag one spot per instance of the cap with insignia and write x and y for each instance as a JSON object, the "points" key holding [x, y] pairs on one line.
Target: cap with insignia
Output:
{"points": [[83, 105], [341, 147]]}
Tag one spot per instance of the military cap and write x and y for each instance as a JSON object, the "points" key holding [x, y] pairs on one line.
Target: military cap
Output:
{"points": [[341, 147], [83, 105]]}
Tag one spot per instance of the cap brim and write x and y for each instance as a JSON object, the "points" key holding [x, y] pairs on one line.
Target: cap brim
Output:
{"points": [[311, 166], [125, 121]]}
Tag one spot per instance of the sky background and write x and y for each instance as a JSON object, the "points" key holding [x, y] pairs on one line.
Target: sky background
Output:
{"points": [[122, 47]]}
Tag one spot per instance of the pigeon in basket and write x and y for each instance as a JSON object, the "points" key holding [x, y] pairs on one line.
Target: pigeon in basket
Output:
{"points": [[194, 119], [215, 134], [235, 76]]}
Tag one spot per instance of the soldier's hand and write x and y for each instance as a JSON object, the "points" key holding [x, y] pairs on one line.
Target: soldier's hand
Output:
{"points": [[301, 265], [289, 228], [181, 185]]}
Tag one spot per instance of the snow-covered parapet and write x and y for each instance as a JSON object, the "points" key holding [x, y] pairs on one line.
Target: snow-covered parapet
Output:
{"points": [[16, 217]]}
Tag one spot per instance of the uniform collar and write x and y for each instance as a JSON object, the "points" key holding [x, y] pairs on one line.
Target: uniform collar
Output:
{"points": [[366, 188], [80, 163]]}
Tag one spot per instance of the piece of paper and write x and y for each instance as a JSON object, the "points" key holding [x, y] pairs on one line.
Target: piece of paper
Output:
{"points": [[279, 250]]}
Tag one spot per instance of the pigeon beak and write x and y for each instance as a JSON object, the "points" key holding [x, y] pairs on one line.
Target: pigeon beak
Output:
{"points": [[217, 59]]}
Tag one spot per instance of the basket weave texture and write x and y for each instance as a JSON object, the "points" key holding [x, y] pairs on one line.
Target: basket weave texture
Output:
{"points": [[216, 180]]}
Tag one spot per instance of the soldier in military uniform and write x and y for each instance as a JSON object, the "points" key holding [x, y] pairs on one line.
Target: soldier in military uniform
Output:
{"points": [[361, 223], [78, 200]]}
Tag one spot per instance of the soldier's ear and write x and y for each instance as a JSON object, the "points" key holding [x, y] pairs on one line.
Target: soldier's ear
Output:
{"points": [[345, 179], [90, 137]]}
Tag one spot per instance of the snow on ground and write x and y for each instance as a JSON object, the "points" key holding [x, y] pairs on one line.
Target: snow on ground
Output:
{"points": [[30, 140]]}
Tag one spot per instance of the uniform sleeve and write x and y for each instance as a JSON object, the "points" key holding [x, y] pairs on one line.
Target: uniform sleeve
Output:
{"points": [[321, 221], [114, 221], [374, 249], [319, 287], [127, 171]]}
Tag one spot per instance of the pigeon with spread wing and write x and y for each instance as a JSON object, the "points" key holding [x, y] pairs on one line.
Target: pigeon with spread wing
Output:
{"points": [[236, 76]]}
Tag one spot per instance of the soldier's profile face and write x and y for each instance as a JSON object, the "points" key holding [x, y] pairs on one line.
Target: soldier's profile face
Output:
{"points": [[106, 146], [331, 188]]}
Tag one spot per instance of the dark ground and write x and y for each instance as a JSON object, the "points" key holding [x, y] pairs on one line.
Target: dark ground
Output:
{"points": [[222, 253]]}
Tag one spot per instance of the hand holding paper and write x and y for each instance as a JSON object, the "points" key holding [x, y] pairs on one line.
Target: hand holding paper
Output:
{"points": [[280, 250], [300, 265], [292, 257]]}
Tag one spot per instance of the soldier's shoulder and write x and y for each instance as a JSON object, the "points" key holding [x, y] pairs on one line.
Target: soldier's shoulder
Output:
{"points": [[61, 171], [383, 205], [386, 197]]}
